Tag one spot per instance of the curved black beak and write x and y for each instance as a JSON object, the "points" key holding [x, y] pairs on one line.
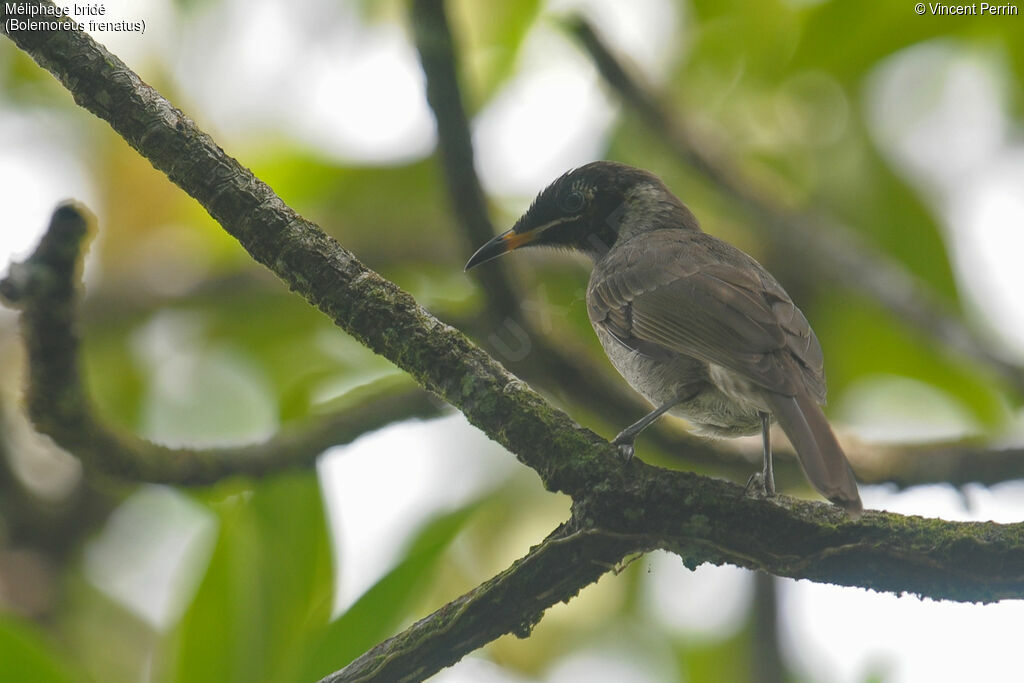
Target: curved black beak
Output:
{"points": [[502, 244]]}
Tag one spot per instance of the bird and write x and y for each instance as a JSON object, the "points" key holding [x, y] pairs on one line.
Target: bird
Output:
{"points": [[696, 326]]}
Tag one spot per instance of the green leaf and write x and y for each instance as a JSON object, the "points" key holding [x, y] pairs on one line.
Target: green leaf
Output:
{"points": [[742, 38], [861, 340], [25, 655], [837, 38], [267, 589], [880, 204], [385, 214], [490, 35], [114, 378], [291, 347], [718, 660], [381, 609]]}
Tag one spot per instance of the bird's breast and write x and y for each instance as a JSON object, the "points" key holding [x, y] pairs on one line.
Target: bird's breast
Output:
{"points": [[657, 378], [668, 376]]}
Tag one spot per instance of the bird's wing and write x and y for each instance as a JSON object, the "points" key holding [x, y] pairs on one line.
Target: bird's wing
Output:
{"points": [[693, 294]]}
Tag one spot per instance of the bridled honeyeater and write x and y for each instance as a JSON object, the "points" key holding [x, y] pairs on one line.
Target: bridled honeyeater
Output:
{"points": [[695, 325]]}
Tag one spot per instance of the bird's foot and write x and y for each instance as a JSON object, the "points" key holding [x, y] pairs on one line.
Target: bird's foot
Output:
{"points": [[760, 485], [624, 443]]}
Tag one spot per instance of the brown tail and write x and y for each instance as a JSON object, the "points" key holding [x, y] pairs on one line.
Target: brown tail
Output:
{"points": [[820, 454]]}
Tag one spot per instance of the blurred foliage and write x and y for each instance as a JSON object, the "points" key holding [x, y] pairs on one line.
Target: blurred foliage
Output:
{"points": [[781, 84], [27, 656], [491, 34], [268, 585], [381, 609]]}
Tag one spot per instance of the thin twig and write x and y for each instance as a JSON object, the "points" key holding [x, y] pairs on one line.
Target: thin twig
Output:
{"points": [[766, 664], [565, 370], [44, 289], [54, 528], [945, 462], [437, 55], [958, 462]]}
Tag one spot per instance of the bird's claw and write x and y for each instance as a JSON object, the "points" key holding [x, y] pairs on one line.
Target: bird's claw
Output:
{"points": [[625, 447], [758, 485]]}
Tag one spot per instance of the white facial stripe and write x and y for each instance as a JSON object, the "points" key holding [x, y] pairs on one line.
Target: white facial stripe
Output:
{"points": [[550, 224]]}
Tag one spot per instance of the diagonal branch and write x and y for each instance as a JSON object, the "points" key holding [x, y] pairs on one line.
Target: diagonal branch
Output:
{"points": [[373, 310], [832, 248], [701, 519], [511, 602], [567, 457]]}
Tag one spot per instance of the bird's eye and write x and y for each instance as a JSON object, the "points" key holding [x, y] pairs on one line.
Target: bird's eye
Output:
{"points": [[573, 202]]}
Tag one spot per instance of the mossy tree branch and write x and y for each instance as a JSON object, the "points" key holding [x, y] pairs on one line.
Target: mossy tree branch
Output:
{"points": [[637, 506], [699, 518], [511, 602]]}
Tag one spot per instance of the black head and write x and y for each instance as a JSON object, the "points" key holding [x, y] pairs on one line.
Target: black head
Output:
{"points": [[588, 209]]}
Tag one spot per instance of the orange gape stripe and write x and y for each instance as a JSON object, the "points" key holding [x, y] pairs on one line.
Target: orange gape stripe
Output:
{"points": [[515, 240]]}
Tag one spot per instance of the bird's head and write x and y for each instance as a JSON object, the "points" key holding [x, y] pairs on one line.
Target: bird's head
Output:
{"points": [[591, 208]]}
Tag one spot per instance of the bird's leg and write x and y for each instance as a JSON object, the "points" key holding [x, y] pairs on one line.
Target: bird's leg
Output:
{"points": [[766, 437], [766, 477], [627, 436]]}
